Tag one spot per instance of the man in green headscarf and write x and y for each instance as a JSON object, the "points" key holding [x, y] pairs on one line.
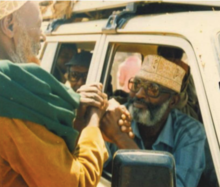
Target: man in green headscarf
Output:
{"points": [[38, 146]]}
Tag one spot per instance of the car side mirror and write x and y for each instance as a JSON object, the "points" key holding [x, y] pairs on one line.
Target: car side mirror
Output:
{"points": [[143, 168]]}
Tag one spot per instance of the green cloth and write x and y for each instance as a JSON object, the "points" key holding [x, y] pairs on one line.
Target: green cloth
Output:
{"points": [[28, 92]]}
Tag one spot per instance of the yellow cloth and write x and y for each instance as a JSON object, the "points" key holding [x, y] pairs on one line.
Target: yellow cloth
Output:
{"points": [[30, 155]]}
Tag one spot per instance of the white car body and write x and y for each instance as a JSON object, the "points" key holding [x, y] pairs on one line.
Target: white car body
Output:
{"points": [[195, 32]]}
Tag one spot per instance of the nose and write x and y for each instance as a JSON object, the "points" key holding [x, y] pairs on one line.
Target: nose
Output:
{"points": [[141, 93], [80, 82], [42, 37]]}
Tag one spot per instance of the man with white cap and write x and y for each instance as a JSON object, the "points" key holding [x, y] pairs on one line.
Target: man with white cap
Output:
{"points": [[38, 146], [154, 92], [20, 32]]}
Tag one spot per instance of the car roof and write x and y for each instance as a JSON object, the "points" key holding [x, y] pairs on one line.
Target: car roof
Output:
{"points": [[174, 23], [183, 23], [83, 6]]}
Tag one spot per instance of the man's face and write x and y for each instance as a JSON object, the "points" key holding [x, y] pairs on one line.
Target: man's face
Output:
{"points": [[146, 109], [77, 76], [28, 32], [65, 56]]}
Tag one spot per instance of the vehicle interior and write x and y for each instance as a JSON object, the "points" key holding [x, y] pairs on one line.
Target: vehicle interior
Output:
{"points": [[132, 56], [188, 103], [64, 54]]}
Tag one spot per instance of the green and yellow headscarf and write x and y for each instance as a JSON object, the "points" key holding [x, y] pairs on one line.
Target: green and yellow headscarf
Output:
{"points": [[28, 92]]}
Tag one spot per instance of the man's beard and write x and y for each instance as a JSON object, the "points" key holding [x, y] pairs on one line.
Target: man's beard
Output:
{"points": [[25, 47], [150, 116]]}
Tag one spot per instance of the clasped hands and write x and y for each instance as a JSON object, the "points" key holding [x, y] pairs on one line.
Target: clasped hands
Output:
{"points": [[114, 119]]}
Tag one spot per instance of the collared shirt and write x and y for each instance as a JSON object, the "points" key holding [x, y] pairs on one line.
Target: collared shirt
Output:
{"points": [[184, 138]]}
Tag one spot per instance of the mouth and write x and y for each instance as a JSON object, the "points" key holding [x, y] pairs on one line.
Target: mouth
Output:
{"points": [[139, 104], [39, 47]]}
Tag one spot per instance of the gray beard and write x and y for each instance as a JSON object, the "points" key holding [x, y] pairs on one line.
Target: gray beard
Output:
{"points": [[24, 48], [21, 49], [16, 59], [145, 117]]}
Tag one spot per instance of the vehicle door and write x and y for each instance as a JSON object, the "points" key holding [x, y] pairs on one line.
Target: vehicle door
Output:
{"points": [[118, 48]]}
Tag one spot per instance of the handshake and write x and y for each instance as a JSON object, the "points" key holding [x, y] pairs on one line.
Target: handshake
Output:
{"points": [[96, 110]]}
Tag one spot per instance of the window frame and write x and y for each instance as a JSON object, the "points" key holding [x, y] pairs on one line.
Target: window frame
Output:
{"points": [[48, 56], [53, 43], [211, 126]]}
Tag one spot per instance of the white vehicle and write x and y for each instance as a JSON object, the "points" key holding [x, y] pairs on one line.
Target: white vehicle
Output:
{"points": [[140, 30]]}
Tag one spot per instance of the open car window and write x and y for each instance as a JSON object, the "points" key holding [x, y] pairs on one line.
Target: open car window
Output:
{"points": [[124, 60], [64, 54]]}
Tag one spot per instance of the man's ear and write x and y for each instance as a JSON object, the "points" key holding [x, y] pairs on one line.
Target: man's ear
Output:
{"points": [[7, 25], [174, 101]]}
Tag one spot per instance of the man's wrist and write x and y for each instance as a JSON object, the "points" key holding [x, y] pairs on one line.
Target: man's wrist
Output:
{"points": [[79, 124], [123, 141], [94, 120]]}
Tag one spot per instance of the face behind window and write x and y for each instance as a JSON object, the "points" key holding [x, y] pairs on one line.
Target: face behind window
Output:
{"points": [[65, 56], [77, 76]]}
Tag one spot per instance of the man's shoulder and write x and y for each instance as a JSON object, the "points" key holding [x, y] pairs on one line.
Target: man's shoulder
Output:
{"points": [[181, 117], [183, 123], [26, 70], [9, 65], [5, 63]]}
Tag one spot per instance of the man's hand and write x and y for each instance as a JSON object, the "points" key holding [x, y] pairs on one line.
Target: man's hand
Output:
{"points": [[125, 121], [94, 114], [115, 125], [91, 96]]}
